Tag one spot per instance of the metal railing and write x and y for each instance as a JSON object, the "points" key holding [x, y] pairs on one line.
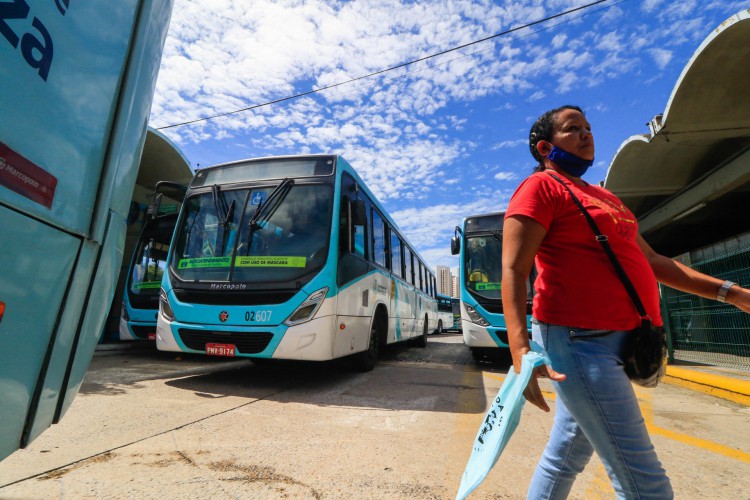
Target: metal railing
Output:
{"points": [[707, 331]]}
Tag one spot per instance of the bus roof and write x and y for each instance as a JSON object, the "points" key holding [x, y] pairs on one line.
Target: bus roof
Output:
{"points": [[312, 165], [282, 166], [484, 222]]}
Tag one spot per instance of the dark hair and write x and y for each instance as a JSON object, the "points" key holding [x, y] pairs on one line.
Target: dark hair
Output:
{"points": [[542, 131]]}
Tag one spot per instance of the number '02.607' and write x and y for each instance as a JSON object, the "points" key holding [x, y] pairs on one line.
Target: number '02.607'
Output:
{"points": [[258, 316]]}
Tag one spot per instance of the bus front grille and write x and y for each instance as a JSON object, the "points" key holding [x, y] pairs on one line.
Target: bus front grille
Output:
{"points": [[245, 342]]}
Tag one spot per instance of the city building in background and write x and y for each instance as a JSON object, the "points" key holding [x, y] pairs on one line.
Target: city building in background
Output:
{"points": [[445, 281]]}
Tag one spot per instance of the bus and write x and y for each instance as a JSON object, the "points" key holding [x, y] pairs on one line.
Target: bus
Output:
{"points": [[479, 246], [445, 313], [456, 310], [76, 85], [140, 300], [291, 257]]}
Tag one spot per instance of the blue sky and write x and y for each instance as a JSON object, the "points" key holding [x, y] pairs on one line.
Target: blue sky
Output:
{"points": [[437, 140]]}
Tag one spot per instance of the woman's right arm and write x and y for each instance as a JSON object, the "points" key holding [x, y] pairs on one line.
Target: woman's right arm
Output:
{"points": [[521, 239]]}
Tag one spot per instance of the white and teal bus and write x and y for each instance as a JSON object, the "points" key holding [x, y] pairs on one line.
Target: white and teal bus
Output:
{"points": [[291, 257], [479, 244], [456, 309], [76, 86], [445, 313], [140, 299]]}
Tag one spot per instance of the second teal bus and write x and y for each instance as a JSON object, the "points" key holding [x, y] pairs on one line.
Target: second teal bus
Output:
{"points": [[479, 246]]}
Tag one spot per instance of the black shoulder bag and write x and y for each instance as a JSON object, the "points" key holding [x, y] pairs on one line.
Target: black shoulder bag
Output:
{"points": [[645, 355]]}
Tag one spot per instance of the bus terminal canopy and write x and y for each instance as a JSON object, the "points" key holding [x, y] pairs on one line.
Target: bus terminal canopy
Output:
{"points": [[688, 181], [162, 161]]}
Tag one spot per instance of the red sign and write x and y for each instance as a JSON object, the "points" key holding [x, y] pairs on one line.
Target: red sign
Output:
{"points": [[220, 349], [20, 175], [152, 336]]}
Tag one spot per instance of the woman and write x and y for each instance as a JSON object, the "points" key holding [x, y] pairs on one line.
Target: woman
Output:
{"points": [[582, 312]]}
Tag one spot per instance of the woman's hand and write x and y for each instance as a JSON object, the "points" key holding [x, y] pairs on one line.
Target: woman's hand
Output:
{"points": [[533, 393], [739, 297]]}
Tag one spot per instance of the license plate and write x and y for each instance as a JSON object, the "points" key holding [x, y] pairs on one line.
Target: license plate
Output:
{"points": [[220, 349], [152, 336]]}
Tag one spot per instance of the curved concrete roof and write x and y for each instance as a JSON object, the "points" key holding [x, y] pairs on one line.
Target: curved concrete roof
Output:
{"points": [[162, 160], [692, 167]]}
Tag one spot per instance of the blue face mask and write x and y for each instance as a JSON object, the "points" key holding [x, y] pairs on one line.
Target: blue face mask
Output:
{"points": [[572, 164]]}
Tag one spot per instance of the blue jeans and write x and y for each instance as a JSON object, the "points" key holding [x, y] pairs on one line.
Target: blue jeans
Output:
{"points": [[596, 410]]}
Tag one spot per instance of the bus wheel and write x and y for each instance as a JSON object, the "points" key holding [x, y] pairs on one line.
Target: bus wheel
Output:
{"points": [[422, 339], [365, 361], [440, 327]]}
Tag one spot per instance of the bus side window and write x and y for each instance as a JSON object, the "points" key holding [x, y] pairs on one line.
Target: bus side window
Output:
{"points": [[408, 268], [353, 247], [359, 228], [397, 264], [378, 239]]}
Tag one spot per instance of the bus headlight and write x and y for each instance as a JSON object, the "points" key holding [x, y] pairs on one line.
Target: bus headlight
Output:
{"points": [[164, 308], [306, 310], [475, 317]]}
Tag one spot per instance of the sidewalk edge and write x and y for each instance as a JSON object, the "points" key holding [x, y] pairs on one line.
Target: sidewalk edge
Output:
{"points": [[722, 387]]}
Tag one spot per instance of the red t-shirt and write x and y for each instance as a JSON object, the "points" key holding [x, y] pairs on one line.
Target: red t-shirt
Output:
{"points": [[577, 285]]}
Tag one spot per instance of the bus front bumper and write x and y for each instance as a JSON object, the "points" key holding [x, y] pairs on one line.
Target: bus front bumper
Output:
{"points": [[311, 340], [479, 336]]}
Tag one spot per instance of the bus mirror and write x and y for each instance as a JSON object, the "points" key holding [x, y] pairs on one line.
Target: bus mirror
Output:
{"points": [[359, 213], [455, 245], [153, 210]]}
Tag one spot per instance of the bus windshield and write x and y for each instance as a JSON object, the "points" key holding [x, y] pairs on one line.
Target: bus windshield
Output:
{"points": [[270, 233], [150, 259], [483, 267]]}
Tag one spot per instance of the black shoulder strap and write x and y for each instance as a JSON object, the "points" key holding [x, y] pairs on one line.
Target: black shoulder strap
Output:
{"points": [[601, 238]]}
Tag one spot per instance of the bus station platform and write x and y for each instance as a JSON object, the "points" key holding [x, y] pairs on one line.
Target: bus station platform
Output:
{"points": [[725, 383]]}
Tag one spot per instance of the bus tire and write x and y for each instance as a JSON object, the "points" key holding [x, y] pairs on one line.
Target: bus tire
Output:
{"points": [[440, 327], [365, 361], [422, 339]]}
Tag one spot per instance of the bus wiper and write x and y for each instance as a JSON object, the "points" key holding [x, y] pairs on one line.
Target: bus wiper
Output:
{"points": [[223, 212], [273, 201], [497, 234]]}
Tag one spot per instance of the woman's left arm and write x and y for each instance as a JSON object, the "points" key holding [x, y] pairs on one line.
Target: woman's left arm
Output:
{"points": [[679, 276]]}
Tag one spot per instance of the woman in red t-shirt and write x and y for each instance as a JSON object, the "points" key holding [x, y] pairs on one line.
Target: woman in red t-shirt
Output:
{"points": [[582, 312]]}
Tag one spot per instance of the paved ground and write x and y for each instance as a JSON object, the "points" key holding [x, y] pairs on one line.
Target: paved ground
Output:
{"points": [[155, 425]]}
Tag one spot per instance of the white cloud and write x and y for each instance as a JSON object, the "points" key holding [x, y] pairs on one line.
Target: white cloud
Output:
{"points": [[559, 40], [539, 94], [510, 144], [661, 57], [506, 176], [649, 5]]}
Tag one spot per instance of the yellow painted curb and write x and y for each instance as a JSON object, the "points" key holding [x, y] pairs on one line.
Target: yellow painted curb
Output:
{"points": [[715, 385]]}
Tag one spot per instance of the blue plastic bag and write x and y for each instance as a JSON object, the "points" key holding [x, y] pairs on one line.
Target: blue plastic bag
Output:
{"points": [[500, 422]]}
